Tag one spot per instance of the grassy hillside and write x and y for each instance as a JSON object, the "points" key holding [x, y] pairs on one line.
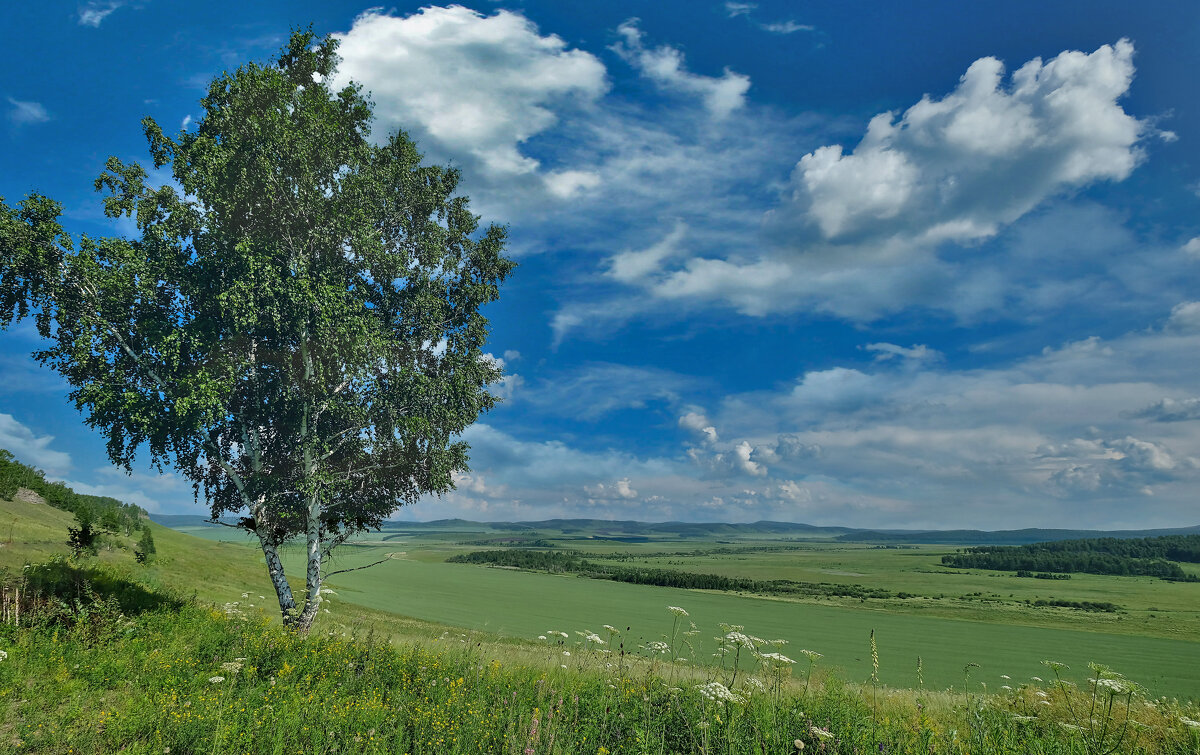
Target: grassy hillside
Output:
{"points": [[158, 671]]}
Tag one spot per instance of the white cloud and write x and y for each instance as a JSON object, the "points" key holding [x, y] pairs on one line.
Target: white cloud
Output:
{"points": [[735, 9], [959, 167], [893, 223], [1192, 246], [566, 184], [157, 493], [664, 66], [470, 86], [30, 448], [633, 265], [622, 489], [1170, 410], [700, 427], [94, 13], [27, 112], [596, 389], [786, 27], [918, 352], [1185, 316]]}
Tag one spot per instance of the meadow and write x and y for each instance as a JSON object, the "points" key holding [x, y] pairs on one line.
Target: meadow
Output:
{"points": [[420, 655], [959, 618]]}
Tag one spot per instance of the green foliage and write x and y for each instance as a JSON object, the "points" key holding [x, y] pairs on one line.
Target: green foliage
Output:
{"points": [[1116, 556], [145, 547], [299, 331], [92, 512]]}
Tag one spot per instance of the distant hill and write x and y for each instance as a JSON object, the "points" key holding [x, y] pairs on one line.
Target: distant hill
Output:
{"points": [[1001, 537], [629, 529]]}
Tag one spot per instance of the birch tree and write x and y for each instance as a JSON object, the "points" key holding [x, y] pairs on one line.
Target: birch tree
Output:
{"points": [[297, 329]]}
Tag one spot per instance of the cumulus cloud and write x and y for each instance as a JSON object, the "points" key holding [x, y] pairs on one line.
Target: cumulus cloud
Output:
{"points": [[1192, 246], [620, 490], [664, 65], [470, 85], [699, 426], [26, 112], [892, 223], [959, 167], [30, 448]]}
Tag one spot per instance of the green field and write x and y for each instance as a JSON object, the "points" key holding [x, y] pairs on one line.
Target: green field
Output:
{"points": [[962, 617]]}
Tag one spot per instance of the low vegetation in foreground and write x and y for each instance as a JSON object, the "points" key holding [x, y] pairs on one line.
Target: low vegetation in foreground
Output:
{"points": [[102, 663]]}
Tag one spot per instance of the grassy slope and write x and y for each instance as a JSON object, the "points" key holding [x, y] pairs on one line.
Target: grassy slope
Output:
{"points": [[519, 606], [1005, 638]]}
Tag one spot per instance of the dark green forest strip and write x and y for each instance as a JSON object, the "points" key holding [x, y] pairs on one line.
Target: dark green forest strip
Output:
{"points": [[560, 562], [1143, 557]]}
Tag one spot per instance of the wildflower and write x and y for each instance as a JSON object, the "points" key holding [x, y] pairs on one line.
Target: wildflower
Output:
{"points": [[811, 655], [738, 638], [1189, 722], [677, 610], [1035, 678], [327, 591], [3, 655], [820, 733], [1005, 677], [799, 743], [754, 685], [567, 653], [1056, 666], [658, 646], [1069, 727], [1111, 686], [718, 693], [231, 667], [610, 629], [216, 679], [779, 658], [1005, 686], [1041, 694], [541, 636]]}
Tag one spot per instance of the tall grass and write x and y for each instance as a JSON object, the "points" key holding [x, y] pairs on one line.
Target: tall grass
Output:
{"points": [[104, 667]]}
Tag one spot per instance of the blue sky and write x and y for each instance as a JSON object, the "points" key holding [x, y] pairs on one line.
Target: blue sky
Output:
{"points": [[839, 263]]}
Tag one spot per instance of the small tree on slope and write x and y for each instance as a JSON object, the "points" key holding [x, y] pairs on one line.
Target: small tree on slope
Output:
{"points": [[299, 333]]}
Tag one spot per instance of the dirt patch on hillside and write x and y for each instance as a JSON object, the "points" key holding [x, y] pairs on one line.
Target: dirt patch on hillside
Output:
{"points": [[25, 495]]}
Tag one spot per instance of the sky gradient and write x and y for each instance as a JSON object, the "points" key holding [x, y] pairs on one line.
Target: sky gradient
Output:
{"points": [[836, 263]]}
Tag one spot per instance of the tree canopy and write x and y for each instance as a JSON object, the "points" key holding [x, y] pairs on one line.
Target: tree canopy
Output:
{"points": [[298, 329]]}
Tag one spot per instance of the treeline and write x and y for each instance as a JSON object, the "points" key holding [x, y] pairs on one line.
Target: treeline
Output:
{"points": [[93, 512], [1171, 547], [559, 562], [1143, 557]]}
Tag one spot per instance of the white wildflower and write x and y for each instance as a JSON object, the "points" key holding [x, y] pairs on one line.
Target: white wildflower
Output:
{"points": [[718, 693], [216, 679], [541, 636], [231, 667], [820, 733], [658, 646], [779, 658], [3, 655], [610, 629], [677, 610], [567, 653]]}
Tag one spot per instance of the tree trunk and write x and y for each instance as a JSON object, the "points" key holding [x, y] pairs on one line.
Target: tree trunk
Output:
{"points": [[312, 581], [283, 591]]}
